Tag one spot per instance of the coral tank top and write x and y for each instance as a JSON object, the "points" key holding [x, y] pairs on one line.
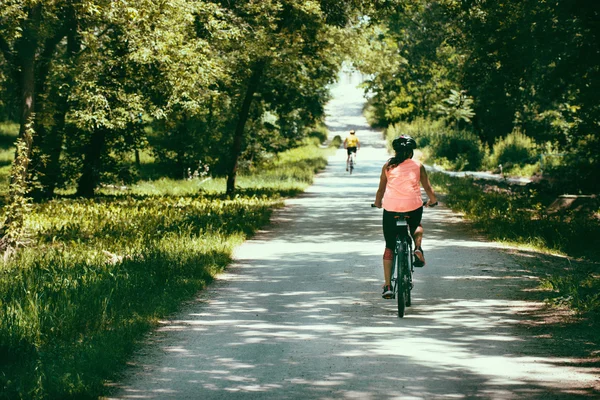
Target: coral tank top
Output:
{"points": [[403, 189]]}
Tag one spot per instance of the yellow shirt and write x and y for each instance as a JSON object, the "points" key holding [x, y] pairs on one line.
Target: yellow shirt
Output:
{"points": [[352, 141]]}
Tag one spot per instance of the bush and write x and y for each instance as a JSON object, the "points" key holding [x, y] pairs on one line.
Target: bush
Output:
{"points": [[575, 172], [516, 149], [336, 141], [421, 129], [456, 150], [320, 133], [461, 150]]}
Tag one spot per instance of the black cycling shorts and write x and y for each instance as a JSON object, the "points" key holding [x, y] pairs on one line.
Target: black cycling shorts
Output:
{"points": [[390, 230], [351, 150]]}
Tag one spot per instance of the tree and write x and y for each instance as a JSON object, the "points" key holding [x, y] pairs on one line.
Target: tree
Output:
{"points": [[151, 63], [413, 61], [281, 42], [30, 33]]}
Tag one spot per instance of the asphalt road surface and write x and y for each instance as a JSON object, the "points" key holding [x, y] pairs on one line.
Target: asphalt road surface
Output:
{"points": [[299, 315]]}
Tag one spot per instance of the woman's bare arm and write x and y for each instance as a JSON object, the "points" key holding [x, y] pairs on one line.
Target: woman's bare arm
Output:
{"points": [[382, 185], [427, 186]]}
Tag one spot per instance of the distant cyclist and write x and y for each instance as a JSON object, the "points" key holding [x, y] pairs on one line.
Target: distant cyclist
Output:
{"points": [[351, 144], [399, 192]]}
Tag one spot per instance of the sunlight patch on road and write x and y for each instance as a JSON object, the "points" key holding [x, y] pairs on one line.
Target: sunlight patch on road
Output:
{"points": [[275, 250], [499, 370]]}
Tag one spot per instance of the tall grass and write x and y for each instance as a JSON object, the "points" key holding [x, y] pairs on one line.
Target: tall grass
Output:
{"points": [[520, 214], [102, 272]]}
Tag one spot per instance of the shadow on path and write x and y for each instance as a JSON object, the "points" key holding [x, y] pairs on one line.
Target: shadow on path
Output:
{"points": [[299, 315]]}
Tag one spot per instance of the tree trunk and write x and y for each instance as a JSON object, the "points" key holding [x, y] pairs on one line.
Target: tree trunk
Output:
{"points": [[26, 57], [50, 171], [48, 142], [236, 149], [90, 176]]}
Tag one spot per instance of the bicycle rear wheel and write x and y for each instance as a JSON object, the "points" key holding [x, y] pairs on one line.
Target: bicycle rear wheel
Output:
{"points": [[409, 271], [401, 287], [351, 164]]}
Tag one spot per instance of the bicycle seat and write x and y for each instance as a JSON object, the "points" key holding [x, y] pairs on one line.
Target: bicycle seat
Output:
{"points": [[402, 221]]}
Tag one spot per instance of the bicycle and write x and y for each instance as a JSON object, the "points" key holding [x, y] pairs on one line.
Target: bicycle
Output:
{"points": [[351, 163], [403, 264]]}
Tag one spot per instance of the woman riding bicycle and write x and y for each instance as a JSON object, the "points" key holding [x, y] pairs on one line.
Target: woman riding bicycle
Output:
{"points": [[399, 192]]}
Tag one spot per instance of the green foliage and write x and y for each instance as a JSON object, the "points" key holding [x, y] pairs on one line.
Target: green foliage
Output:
{"points": [[103, 271], [336, 142], [8, 135], [575, 171], [456, 107], [516, 149], [320, 133], [13, 232], [510, 75], [105, 276], [374, 113], [410, 61], [421, 129], [454, 150], [105, 71], [460, 150], [579, 290]]}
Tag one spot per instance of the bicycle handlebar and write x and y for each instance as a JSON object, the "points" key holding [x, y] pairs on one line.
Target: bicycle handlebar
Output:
{"points": [[424, 204]]}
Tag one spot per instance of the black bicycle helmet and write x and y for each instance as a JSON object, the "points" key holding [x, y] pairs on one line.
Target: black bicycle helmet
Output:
{"points": [[404, 143]]}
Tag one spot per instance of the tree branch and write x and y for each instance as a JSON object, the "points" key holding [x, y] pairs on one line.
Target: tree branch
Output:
{"points": [[46, 56]]}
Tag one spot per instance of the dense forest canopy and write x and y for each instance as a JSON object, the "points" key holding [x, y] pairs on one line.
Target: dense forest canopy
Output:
{"points": [[215, 83], [509, 72], [92, 78]]}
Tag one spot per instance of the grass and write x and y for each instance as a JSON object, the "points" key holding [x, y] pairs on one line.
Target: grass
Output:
{"points": [[8, 134], [520, 217], [101, 273]]}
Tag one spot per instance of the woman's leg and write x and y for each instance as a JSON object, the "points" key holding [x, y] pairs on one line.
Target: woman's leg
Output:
{"points": [[389, 233], [388, 259], [417, 233], [418, 238]]}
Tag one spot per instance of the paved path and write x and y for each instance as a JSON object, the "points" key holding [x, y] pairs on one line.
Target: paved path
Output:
{"points": [[299, 315]]}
